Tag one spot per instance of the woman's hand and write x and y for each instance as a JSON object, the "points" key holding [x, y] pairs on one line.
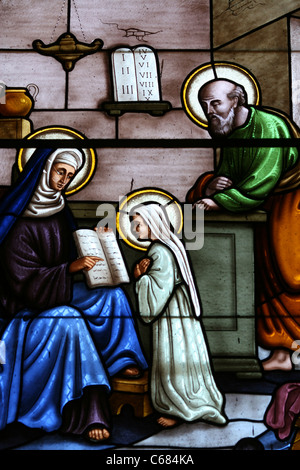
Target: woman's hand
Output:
{"points": [[84, 264], [101, 229], [141, 267]]}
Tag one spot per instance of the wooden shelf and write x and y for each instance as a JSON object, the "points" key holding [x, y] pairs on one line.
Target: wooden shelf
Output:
{"points": [[14, 128], [155, 108]]}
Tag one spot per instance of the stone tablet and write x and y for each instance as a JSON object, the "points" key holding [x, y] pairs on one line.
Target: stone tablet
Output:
{"points": [[146, 74], [135, 74], [124, 76]]}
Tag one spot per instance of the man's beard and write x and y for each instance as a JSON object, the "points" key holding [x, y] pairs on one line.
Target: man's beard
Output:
{"points": [[222, 126]]}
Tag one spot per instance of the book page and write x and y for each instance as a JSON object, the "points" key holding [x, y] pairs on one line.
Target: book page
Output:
{"points": [[114, 257], [88, 244]]}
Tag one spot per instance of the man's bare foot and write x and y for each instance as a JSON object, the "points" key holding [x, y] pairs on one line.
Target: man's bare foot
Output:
{"points": [[167, 422], [279, 360], [98, 434], [131, 372]]}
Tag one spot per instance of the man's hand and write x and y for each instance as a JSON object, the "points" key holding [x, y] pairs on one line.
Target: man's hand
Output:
{"points": [[141, 267], [207, 205], [84, 264], [218, 184]]}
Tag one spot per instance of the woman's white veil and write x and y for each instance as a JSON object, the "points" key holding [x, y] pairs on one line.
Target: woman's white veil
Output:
{"points": [[45, 200]]}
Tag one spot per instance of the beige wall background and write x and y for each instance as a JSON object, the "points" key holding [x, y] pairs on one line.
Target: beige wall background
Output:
{"points": [[258, 35]]}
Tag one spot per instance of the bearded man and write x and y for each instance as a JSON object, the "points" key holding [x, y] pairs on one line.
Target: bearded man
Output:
{"points": [[249, 178]]}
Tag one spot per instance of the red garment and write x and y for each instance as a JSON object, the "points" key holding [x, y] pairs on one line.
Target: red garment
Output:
{"points": [[284, 409]]}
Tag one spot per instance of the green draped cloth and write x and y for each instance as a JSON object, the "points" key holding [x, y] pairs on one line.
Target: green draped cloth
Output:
{"points": [[267, 179], [255, 172]]}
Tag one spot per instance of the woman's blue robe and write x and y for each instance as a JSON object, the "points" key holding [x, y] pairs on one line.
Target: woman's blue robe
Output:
{"points": [[59, 336]]}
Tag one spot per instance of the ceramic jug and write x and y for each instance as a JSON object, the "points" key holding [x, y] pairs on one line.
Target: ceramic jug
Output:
{"points": [[18, 102]]}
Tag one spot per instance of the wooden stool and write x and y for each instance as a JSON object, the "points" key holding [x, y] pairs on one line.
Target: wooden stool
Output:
{"points": [[134, 392]]}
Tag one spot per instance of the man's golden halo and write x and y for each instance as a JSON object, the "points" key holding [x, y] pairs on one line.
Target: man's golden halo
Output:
{"points": [[56, 133], [146, 196], [205, 73]]}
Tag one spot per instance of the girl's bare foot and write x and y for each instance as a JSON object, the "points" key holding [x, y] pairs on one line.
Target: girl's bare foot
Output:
{"points": [[98, 434], [279, 360], [167, 422]]}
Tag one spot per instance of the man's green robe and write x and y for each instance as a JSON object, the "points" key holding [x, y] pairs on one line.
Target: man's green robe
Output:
{"points": [[269, 179], [254, 171]]}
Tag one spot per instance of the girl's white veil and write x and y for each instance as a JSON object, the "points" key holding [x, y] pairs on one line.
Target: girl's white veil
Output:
{"points": [[157, 220]]}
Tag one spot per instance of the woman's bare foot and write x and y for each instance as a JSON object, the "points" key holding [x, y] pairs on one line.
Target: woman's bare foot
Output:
{"points": [[98, 434], [279, 360], [167, 422]]}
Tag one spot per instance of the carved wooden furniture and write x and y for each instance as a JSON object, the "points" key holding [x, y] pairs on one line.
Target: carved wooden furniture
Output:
{"points": [[14, 128], [133, 392]]}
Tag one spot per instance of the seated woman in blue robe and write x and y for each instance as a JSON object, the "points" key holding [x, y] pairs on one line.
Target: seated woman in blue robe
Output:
{"points": [[63, 340]]}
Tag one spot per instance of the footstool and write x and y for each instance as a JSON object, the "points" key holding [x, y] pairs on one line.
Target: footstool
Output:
{"points": [[134, 392]]}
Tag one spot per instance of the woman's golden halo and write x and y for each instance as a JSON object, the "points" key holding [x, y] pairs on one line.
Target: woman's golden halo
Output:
{"points": [[57, 133]]}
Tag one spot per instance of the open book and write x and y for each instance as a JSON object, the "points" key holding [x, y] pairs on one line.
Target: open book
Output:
{"points": [[112, 270]]}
